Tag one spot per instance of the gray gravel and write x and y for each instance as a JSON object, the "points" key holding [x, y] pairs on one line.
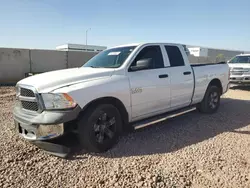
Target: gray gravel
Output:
{"points": [[192, 150]]}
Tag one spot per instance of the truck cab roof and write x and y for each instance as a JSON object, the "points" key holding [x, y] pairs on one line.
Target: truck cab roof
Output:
{"points": [[147, 43]]}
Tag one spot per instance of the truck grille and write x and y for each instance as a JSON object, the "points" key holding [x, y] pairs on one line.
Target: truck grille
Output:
{"points": [[237, 73], [26, 92], [28, 99], [240, 71], [29, 105]]}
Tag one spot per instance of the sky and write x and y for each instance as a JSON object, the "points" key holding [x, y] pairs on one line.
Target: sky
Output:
{"points": [[45, 24]]}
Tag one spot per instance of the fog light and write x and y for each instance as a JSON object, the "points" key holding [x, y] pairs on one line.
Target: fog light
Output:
{"points": [[49, 131]]}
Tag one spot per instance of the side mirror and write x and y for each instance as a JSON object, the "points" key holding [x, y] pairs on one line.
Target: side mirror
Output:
{"points": [[142, 65]]}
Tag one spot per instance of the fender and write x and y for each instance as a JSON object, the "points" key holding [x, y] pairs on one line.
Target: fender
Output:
{"points": [[116, 86]]}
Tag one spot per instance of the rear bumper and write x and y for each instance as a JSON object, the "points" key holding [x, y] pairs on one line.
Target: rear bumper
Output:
{"points": [[227, 88], [42, 126]]}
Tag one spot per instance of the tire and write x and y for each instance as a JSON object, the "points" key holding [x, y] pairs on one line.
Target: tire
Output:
{"points": [[211, 100], [99, 132]]}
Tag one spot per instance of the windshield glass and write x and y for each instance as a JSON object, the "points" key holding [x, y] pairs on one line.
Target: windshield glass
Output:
{"points": [[112, 58], [240, 59]]}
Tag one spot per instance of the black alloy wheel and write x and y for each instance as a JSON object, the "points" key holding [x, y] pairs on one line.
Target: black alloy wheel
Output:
{"points": [[99, 127]]}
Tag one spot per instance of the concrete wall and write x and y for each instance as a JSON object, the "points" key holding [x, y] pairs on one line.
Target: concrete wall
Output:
{"points": [[14, 63], [198, 60], [47, 60], [226, 53], [220, 54], [77, 59]]}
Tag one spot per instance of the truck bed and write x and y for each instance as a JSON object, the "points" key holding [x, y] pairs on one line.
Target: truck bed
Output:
{"points": [[204, 74]]}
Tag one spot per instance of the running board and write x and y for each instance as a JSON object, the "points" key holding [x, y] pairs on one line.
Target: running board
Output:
{"points": [[162, 117]]}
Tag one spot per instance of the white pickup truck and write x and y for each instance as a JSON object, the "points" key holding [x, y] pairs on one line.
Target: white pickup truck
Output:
{"points": [[120, 88], [240, 69]]}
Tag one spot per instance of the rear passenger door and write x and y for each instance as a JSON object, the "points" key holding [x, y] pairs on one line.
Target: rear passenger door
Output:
{"points": [[181, 79]]}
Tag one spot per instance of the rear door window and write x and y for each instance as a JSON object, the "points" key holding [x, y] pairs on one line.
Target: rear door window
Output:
{"points": [[174, 56]]}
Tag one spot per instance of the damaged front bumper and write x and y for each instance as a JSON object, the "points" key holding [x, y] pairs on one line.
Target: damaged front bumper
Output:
{"points": [[45, 125], [39, 132]]}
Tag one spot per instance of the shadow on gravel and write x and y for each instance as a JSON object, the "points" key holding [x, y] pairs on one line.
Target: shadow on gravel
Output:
{"points": [[242, 132], [182, 131], [177, 133], [244, 88]]}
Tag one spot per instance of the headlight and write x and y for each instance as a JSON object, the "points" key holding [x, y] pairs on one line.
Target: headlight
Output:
{"points": [[18, 90], [58, 101]]}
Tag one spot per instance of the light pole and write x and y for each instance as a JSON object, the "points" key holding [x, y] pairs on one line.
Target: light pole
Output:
{"points": [[87, 35]]}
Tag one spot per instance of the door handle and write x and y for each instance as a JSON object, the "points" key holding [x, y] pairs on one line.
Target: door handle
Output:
{"points": [[163, 76], [187, 73]]}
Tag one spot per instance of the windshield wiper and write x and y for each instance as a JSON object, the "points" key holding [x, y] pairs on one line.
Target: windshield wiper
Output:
{"points": [[95, 67], [110, 67]]}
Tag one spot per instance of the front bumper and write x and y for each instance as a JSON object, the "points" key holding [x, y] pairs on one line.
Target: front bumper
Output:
{"points": [[240, 79], [42, 126]]}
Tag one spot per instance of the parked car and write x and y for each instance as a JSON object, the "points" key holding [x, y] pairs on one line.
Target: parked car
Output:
{"points": [[240, 69], [120, 88]]}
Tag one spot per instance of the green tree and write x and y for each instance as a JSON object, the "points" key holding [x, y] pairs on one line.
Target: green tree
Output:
{"points": [[220, 57]]}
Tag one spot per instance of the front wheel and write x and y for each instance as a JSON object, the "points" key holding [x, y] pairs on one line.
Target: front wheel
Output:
{"points": [[99, 128], [211, 100]]}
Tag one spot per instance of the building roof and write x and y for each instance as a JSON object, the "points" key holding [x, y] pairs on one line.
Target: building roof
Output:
{"points": [[190, 46], [80, 47], [243, 55]]}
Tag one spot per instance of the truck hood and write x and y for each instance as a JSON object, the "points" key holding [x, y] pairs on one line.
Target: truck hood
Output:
{"points": [[239, 65], [49, 81]]}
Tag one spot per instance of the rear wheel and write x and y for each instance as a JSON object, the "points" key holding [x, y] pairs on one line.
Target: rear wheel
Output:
{"points": [[99, 128], [211, 100]]}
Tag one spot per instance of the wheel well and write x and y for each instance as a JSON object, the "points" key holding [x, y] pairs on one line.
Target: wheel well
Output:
{"points": [[110, 100], [216, 82]]}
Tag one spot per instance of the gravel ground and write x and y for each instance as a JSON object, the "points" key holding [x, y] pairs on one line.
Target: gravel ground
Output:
{"points": [[192, 150]]}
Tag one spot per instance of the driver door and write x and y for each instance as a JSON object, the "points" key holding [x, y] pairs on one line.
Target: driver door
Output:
{"points": [[150, 87]]}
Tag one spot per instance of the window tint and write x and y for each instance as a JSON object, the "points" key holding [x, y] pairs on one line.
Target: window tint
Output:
{"points": [[153, 52], [174, 56]]}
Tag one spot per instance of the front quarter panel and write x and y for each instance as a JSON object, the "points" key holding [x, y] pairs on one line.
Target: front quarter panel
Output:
{"points": [[116, 86]]}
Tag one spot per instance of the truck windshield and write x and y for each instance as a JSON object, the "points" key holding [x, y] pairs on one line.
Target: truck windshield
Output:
{"points": [[112, 58], [240, 59]]}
